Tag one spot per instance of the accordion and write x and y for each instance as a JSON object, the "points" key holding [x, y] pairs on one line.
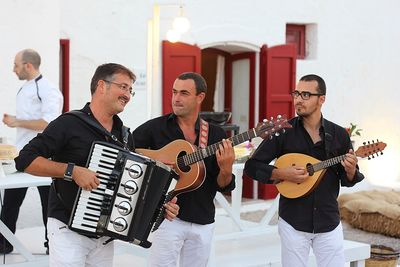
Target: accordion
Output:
{"points": [[128, 200]]}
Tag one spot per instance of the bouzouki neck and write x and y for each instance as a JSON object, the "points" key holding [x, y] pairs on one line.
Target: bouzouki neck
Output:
{"points": [[210, 150], [366, 150], [327, 163], [263, 130]]}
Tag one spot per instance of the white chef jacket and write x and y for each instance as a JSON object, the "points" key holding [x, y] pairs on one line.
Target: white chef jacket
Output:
{"points": [[37, 99]]}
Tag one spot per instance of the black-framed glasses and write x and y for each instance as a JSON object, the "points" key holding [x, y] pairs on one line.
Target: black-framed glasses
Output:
{"points": [[123, 86], [305, 95]]}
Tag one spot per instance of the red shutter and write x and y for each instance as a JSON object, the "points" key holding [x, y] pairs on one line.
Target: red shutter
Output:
{"points": [[277, 80], [177, 58], [64, 72], [296, 34]]}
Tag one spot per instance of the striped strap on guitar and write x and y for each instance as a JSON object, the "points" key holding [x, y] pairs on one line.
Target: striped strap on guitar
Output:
{"points": [[203, 138]]}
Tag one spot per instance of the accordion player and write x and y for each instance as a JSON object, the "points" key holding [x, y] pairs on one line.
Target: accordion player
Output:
{"points": [[128, 200]]}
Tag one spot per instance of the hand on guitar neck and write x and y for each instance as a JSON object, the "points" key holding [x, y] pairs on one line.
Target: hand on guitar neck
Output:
{"points": [[349, 164]]}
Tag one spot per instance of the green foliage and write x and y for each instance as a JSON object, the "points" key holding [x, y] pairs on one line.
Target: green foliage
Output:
{"points": [[353, 130]]}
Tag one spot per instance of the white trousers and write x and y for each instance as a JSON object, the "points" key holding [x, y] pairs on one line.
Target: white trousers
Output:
{"points": [[295, 246], [70, 249], [188, 242]]}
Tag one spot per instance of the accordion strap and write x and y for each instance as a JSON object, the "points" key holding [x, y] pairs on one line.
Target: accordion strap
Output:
{"points": [[84, 117]]}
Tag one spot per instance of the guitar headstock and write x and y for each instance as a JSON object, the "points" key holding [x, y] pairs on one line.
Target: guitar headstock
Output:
{"points": [[269, 128], [370, 148]]}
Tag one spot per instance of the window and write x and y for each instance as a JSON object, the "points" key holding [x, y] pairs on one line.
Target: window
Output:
{"points": [[296, 34]]}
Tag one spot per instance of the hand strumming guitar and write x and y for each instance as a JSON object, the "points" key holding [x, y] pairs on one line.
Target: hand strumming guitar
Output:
{"points": [[295, 174]]}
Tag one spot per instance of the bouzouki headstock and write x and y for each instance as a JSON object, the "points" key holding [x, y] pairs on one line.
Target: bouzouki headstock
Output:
{"points": [[370, 148], [269, 128]]}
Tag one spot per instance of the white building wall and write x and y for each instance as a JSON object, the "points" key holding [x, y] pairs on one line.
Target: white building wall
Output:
{"points": [[26, 24], [354, 46], [102, 32]]}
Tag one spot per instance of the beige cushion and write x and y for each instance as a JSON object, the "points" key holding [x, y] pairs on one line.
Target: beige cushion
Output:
{"points": [[373, 211]]}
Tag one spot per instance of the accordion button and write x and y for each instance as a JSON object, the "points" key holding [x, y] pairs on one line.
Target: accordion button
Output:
{"points": [[120, 224]]}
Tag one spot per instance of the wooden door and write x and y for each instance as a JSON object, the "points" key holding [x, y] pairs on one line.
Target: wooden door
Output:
{"points": [[176, 59], [277, 80], [251, 56]]}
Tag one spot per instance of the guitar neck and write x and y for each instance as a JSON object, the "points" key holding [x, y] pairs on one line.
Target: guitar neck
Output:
{"points": [[210, 150], [328, 163]]}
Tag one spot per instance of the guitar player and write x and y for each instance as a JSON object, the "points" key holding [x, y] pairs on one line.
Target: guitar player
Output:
{"points": [[311, 220], [189, 237]]}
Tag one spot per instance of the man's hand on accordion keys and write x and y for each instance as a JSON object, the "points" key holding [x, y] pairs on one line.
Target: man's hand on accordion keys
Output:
{"points": [[85, 178], [171, 209]]}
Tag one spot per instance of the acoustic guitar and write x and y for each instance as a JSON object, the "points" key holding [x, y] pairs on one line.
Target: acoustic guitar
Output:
{"points": [[188, 159], [316, 169]]}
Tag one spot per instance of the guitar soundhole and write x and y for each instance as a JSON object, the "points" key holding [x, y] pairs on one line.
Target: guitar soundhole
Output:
{"points": [[310, 169], [181, 163]]}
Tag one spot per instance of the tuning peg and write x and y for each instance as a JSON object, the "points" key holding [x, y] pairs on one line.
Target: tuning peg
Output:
{"points": [[279, 117], [265, 120], [381, 152], [283, 130], [377, 140], [364, 143], [369, 158], [277, 134], [373, 156], [270, 137]]}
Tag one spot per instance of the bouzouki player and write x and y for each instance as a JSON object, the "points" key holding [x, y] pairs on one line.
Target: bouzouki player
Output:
{"points": [[311, 220]]}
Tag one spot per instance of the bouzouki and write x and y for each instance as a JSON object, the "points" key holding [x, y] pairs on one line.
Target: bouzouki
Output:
{"points": [[188, 159], [316, 168]]}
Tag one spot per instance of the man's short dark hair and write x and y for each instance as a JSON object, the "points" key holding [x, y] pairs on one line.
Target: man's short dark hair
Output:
{"points": [[31, 56], [199, 82], [313, 77], [107, 72]]}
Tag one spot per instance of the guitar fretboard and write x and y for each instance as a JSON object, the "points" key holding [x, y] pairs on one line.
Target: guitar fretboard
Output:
{"points": [[328, 163], [203, 153]]}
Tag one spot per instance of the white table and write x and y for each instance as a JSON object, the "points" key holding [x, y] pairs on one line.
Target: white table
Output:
{"points": [[19, 180], [233, 209]]}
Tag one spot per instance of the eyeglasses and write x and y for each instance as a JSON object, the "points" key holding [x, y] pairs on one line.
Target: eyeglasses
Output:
{"points": [[305, 95], [123, 87]]}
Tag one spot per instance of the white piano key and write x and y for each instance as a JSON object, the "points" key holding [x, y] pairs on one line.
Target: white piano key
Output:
{"points": [[82, 227], [100, 159], [83, 221]]}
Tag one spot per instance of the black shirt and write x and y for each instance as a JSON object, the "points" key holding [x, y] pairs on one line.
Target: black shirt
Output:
{"points": [[196, 206], [318, 211], [66, 139]]}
